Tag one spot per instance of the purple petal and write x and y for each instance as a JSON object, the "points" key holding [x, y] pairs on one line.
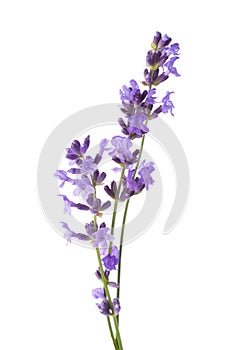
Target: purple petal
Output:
{"points": [[113, 284], [105, 308], [116, 305], [106, 205], [81, 206], [82, 237], [85, 146], [74, 171], [98, 293], [101, 177], [90, 199], [109, 192]]}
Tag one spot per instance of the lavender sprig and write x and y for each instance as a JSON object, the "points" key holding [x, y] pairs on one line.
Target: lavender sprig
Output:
{"points": [[138, 108], [161, 57]]}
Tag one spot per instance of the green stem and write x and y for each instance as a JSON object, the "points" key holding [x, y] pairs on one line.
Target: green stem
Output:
{"points": [[116, 205], [124, 221], [112, 334], [121, 247], [103, 277], [118, 337], [116, 341]]}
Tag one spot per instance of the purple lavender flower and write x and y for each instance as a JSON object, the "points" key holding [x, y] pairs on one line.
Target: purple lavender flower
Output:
{"points": [[98, 177], [95, 205], [76, 150], [98, 274], [113, 284], [123, 126], [170, 67], [102, 148], [121, 152], [133, 184], [62, 175], [90, 228], [156, 112], [136, 125], [69, 234], [83, 187], [88, 166], [115, 251], [155, 59], [127, 108], [161, 78], [164, 41], [69, 204], [111, 191], [150, 100], [167, 103], [156, 40], [128, 93], [147, 77], [172, 49], [126, 193], [116, 305], [104, 307], [132, 94], [145, 172], [101, 239], [110, 262], [74, 170], [98, 293]]}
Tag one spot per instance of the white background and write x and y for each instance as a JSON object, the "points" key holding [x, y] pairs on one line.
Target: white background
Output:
{"points": [[58, 57]]}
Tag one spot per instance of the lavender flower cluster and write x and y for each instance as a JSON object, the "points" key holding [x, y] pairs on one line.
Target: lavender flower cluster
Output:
{"points": [[138, 108]]}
